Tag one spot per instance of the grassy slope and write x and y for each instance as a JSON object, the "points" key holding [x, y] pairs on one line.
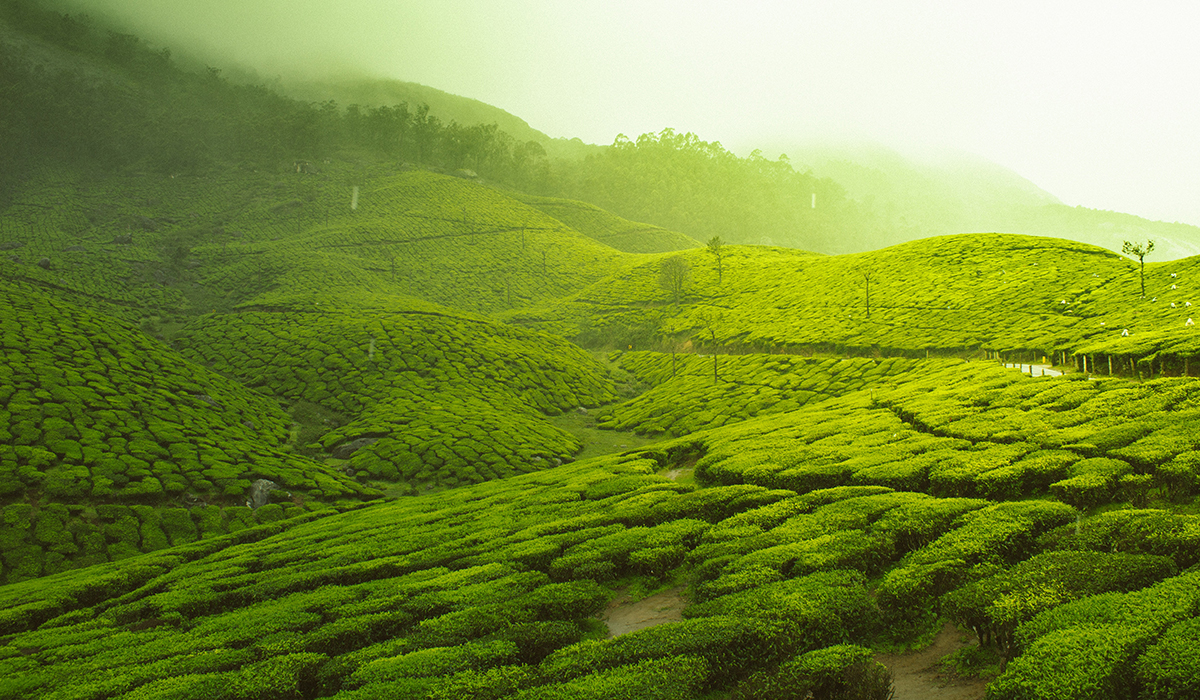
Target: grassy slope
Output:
{"points": [[610, 229], [447, 398], [992, 291]]}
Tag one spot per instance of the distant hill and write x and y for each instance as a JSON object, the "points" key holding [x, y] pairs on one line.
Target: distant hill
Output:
{"points": [[956, 192], [382, 92]]}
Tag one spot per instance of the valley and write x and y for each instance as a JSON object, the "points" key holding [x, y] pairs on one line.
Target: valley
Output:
{"points": [[330, 418]]}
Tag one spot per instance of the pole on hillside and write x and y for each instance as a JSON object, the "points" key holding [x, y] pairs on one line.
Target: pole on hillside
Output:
{"points": [[1110, 365]]}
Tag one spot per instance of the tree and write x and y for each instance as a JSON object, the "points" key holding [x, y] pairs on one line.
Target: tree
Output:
{"points": [[673, 273], [715, 244], [709, 320], [1141, 251], [867, 279]]}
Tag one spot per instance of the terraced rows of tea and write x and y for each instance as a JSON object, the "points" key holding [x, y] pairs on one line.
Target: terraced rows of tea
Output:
{"points": [[839, 505], [691, 392], [993, 291], [96, 417], [610, 229], [424, 235], [1014, 506], [138, 247], [427, 398]]}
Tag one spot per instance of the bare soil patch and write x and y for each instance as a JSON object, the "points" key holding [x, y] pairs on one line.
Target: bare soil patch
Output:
{"points": [[625, 615], [915, 675]]}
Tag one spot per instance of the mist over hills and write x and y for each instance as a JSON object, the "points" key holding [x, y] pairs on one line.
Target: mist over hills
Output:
{"points": [[303, 401]]}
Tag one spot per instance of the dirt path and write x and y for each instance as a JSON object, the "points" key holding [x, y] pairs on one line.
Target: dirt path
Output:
{"points": [[624, 615], [915, 675]]}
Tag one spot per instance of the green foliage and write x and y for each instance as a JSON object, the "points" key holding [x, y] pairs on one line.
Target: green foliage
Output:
{"points": [[996, 605], [1169, 669], [1087, 662], [841, 671]]}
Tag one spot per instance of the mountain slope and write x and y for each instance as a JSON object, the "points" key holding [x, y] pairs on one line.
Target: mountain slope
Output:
{"points": [[976, 291], [952, 192]]}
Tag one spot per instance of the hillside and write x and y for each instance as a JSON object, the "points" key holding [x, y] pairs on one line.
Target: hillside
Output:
{"points": [[803, 461], [493, 587], [981, 292], [949, 192], [368, 92]]}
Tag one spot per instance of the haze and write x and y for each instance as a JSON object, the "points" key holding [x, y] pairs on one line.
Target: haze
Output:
{"points": [[1094, 102]]}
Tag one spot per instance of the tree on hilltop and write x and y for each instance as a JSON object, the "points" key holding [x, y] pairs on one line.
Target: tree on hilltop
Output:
{"points": [[715, 246], [673, 273], [1141, 251], [866, 275]]}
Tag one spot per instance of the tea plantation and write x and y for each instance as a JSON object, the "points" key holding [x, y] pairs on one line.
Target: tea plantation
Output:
{"points": [[389, 346]]}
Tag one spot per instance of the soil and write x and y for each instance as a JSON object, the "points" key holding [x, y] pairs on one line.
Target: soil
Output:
{"points": [[915, 675], [625, 615]]}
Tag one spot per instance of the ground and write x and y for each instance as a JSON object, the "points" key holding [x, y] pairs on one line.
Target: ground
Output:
{"points": [[915, 675]]}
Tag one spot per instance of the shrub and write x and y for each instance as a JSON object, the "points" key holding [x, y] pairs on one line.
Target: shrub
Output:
{"points": [[994, 606], [1180, 476], [1170, 669], [818, 610], [844, 672], [1154, 608], [673, 678], [731, 647], [1083, 663], [437, 661]]}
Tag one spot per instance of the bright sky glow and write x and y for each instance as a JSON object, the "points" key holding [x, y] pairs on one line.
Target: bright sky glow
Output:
{"points": [[1096, 102]]}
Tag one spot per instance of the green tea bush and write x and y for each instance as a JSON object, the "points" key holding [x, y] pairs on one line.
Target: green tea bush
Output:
{"points": [[731, 646], [437, 661], [1170, 669], [996, 535], [842, 671], [675, 678], [1153, 608], [1085, 662], [993, 607], [1093, 481], [818, 610]]}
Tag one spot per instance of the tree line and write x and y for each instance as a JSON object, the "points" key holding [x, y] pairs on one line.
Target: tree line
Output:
{"points": [[150, 113]]}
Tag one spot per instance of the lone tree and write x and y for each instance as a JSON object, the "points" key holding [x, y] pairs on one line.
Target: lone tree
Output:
{"points": [[709, 320], [867, 279], [673, 273], [715, 245], [1141, 251]]}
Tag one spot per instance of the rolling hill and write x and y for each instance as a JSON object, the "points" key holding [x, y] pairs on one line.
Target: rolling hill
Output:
{"points": [[414, 356]]}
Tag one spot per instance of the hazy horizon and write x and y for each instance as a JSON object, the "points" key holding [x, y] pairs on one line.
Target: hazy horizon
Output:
{"points": [[1089, 101]]}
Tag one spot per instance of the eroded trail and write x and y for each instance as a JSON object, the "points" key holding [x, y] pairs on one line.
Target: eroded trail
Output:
{"points": [[624, 615], [915, 675]]}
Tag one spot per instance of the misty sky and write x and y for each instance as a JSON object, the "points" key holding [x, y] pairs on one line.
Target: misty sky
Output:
{"points": [[1096, 102]]}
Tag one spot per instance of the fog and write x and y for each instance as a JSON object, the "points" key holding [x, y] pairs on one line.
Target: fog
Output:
{"points": [[1092, 101]]}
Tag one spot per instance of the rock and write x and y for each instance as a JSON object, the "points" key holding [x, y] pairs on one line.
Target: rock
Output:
{"points": [[127, 239], [344, 450], [260, 492], [74, 249], [582, 411], [11, 245], [249, 424], [44, 263], [15, 258], [210, 401]]}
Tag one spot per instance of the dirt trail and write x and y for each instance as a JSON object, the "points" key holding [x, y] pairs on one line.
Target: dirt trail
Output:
{"points": [[624, 615], [915, 676]]}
